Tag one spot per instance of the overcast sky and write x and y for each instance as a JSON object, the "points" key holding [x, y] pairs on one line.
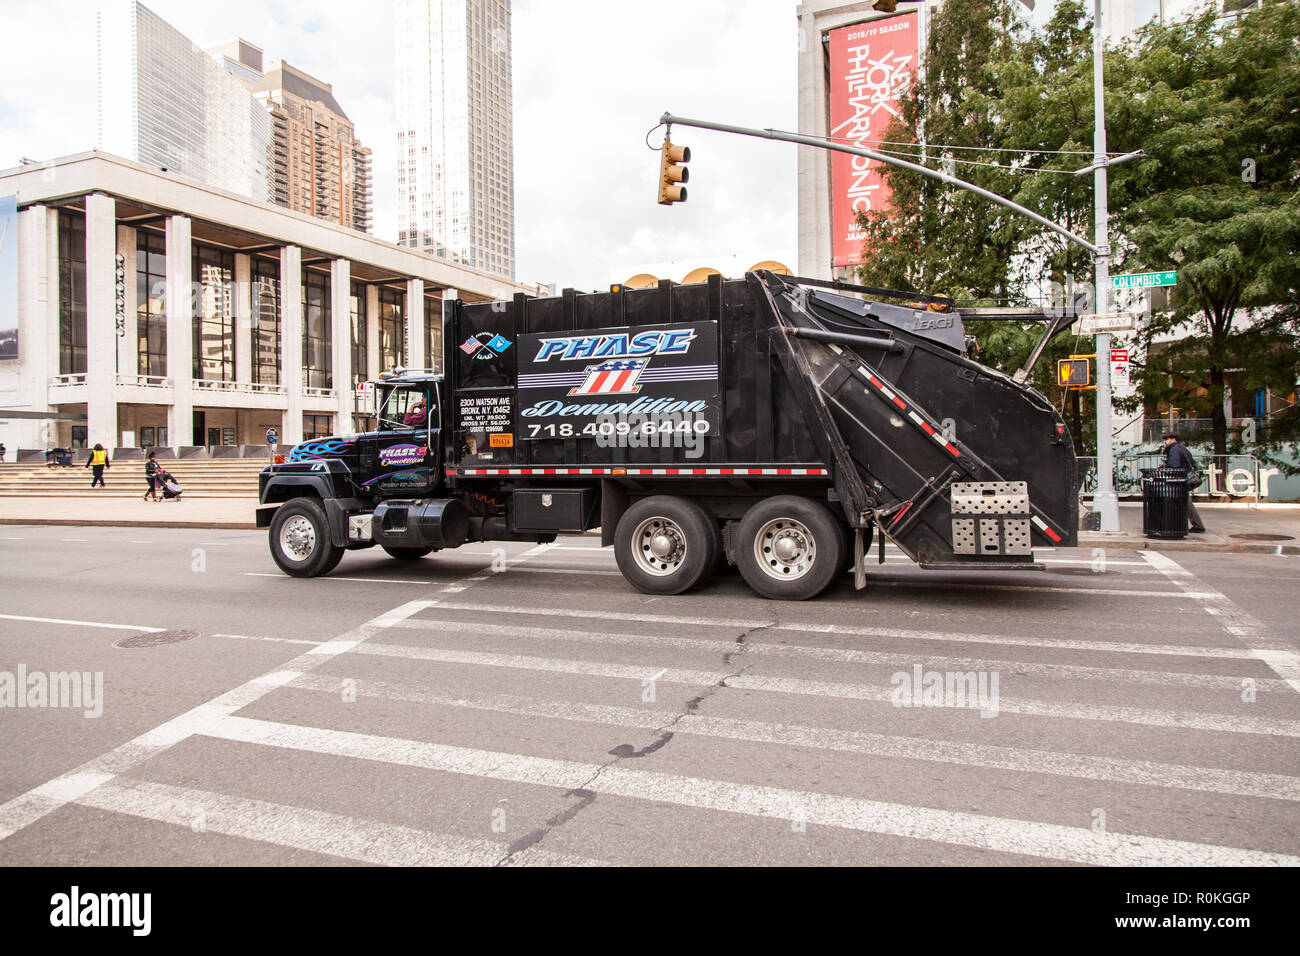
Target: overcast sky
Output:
{"points": [[590, 78]]}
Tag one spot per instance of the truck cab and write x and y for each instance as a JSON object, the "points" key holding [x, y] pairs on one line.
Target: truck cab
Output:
{"points": [[404, 455]]}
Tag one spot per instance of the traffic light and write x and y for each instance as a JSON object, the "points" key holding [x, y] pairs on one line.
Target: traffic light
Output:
{"points": [[670, 174], [1073, 372]]}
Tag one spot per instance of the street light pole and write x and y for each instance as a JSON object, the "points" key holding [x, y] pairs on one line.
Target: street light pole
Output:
{"points": [[1104, 501]]}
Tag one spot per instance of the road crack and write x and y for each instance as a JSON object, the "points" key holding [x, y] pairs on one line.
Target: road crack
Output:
{"points": [[662, 736]]}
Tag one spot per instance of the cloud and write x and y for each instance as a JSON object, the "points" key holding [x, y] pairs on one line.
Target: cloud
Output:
{"points": [[590, 78]]}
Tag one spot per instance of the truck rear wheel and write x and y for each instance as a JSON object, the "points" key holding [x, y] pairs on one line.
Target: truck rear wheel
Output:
{"points": [[406, 554], [300, 539], [666, 545], [789, 548]]}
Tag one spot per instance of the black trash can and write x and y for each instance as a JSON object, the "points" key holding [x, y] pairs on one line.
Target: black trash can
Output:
{"points": [[1164, 502]]}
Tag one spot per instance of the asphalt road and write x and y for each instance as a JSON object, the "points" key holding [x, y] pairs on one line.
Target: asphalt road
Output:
{"points": [[522, 705]]}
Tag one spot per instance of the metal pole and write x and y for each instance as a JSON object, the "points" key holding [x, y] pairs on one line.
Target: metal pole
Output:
{"points": [[1104, 501], [670, 120]]}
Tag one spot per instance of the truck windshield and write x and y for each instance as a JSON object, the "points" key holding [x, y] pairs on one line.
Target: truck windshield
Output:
{"points": [[406, 408]]}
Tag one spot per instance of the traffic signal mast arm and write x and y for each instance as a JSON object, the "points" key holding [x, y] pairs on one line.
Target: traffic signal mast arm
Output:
{"points": [[670, 119]]}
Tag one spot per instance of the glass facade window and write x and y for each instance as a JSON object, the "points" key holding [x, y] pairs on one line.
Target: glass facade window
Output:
{"points": [[316, 426], [214, 314], [433, 333], [265, 281], [151, 308], [72, 293], [360, 357], [317, 346], [392, 328]]}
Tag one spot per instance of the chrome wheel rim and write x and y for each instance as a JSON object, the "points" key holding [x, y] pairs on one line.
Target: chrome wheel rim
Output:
{"points": [[785, 549], [298, 538], [658, 546]]}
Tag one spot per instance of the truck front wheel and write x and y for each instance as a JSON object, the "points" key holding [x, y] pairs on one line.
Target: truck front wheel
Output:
{"points": [[789, 548], [300, 539], [666, 545]]}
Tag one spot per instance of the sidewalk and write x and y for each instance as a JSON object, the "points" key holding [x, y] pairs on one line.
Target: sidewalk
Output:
{"points": [[1229, 528], [130, 512]]}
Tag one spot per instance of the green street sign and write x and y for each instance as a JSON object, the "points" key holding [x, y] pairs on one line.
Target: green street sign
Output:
{"points": [[1144, 280]]}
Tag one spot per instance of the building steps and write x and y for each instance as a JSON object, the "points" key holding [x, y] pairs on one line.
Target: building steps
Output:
{"points": [[201, 478]]}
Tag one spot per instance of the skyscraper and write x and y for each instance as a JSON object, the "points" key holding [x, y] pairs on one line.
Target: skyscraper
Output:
{"points": [[317, 164], [166, 103], [455, 149]]}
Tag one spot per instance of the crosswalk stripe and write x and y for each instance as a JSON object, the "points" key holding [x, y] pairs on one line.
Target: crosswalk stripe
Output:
{"points": [[1246, 783], [1000, 834], [1278, 654], [849, 655], [27, 808], [1118, 647], [743, 623], [315, 831], [1196, 720]]}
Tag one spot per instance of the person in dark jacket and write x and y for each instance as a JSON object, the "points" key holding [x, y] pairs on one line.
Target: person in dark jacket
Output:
{"points": [[1177, 456], [97, 462], [151, 476]]}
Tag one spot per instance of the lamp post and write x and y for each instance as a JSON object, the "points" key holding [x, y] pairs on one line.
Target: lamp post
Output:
{"points": [[1104, 501]]}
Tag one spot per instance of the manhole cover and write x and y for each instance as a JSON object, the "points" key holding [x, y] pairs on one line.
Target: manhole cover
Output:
{"points": [[1261, 536], [157, 638]]}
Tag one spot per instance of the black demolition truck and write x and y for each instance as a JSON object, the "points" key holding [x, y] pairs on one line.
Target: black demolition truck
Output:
{"points": [[773, 423]]}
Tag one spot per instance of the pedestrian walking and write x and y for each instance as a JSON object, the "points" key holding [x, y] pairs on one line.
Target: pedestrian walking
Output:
{"points": [[1177, 456], [97, 462], [151, 476], [2, 451]]}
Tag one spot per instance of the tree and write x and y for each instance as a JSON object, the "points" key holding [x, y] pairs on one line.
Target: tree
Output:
{"points": [[933, 237], [1217, 197]]}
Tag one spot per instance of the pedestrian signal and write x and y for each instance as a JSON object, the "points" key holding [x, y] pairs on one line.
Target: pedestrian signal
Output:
{"points": [[1073, 372]]}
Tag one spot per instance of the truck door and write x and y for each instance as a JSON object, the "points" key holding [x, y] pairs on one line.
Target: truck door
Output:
{"points": [[409, 442]]}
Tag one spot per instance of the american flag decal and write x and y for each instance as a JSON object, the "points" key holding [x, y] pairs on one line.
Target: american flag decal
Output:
{"points": [[470, 345], [612, 378]]}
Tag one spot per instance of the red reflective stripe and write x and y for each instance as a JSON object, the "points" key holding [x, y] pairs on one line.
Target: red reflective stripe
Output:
{"points": [[899, 402], [955, 452], [1051, 534], [928, 429], [784, 471], [874, 381]]}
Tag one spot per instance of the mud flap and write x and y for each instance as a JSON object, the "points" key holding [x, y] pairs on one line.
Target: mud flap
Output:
{"points": [[860, 560]]}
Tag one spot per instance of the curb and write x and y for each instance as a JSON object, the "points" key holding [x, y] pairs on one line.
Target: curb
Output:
{"points": [[111, 523], [1222, 546]]}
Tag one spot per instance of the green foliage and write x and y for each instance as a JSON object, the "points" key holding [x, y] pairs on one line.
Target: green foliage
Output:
{"points": [[1215, 107], [1201, 98]]}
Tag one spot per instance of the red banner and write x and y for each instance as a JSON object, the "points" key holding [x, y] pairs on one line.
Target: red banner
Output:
{"points": [[871, 69]]}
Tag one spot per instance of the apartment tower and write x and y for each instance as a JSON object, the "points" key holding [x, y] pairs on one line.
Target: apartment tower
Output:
{"points": [[455, 151]]}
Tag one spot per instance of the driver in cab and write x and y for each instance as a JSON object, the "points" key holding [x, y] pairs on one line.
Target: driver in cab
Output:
{"points": [[417, 415]]}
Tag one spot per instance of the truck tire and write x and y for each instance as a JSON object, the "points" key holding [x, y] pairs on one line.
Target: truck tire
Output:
{"points": [[666, 545], [300, 539], [406, 554], [789, 548]]}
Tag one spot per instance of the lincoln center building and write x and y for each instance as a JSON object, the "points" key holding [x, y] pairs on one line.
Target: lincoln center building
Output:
{"points": [[155, 310]]}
